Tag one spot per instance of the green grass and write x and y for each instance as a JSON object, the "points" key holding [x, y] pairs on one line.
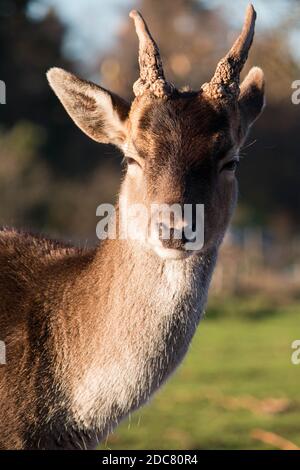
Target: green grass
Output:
{"points": [[230, 357]]}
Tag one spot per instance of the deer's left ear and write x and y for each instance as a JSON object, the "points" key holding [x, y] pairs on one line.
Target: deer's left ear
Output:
{"points": [[102, 115], [252, 97]]}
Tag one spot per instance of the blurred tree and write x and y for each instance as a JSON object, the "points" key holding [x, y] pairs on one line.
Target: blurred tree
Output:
{"points": [[23, 178], [38, 173]]}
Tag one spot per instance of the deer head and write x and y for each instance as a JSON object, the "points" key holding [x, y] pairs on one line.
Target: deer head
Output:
{"points": [[181, 147]]}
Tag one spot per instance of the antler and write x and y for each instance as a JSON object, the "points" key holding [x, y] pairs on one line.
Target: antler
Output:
{"points": [[152, 77], [225, 82]]}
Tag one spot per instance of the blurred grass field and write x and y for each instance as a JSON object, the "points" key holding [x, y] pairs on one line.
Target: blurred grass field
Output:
{"points": [[237, 378]]}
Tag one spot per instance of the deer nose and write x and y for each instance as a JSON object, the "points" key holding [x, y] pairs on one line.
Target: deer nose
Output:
{"points": [[173, 237]]}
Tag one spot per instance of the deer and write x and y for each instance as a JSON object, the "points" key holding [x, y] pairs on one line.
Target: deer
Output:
{"points": [[92, 333]]}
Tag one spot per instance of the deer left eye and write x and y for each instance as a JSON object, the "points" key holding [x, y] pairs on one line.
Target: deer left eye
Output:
{"points": [[230, 166], [132, 161]]}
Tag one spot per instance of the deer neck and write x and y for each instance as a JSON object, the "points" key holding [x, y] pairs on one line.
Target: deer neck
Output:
{"points": [[142, 317]]}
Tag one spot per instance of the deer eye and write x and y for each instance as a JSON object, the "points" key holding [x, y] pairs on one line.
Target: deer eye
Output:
{"points": [[132, 161], [231, 165]]}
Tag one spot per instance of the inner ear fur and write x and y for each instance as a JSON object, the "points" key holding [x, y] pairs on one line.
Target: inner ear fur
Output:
{"points": [[101, 114], [252, 97]]}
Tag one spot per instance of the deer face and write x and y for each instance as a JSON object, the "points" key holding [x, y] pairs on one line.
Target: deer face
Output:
{"points": [[181, 152], [181, 148]]}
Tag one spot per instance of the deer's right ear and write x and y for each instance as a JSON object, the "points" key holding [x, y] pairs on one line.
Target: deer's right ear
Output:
{"points": [[252, 96], [102, 115]]}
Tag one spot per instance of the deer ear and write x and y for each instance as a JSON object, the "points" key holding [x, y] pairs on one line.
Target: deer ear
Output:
{"points": [[102, 115], [252, 98]]}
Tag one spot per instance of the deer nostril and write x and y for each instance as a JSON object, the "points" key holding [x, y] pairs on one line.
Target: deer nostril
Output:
{"points": [[165, 232], [170, 233]]}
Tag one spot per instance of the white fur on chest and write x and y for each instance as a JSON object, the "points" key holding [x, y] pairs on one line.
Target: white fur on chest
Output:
{"points": [[124, 377]]}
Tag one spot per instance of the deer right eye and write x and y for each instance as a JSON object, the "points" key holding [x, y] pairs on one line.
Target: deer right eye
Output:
{"points": [[132, 161]]}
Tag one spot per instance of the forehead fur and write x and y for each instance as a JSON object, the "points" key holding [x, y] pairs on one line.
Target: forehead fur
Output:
{"points": [[186, 126]]}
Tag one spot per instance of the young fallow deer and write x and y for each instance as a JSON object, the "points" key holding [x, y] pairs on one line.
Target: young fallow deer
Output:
{"points": [[91, 334]]}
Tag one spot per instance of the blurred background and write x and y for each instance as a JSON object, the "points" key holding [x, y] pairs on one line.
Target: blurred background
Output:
{"points": [[237, 388]]}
